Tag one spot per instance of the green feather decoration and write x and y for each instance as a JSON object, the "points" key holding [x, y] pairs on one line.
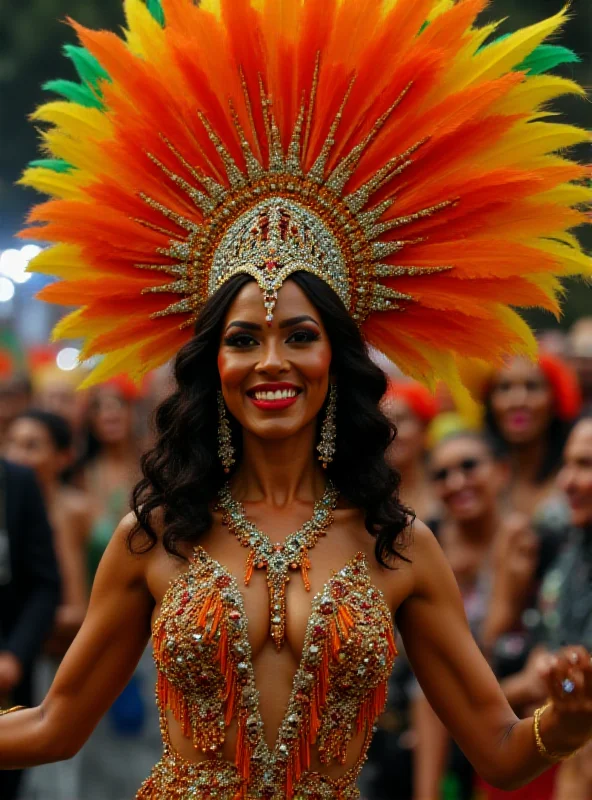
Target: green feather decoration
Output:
{"points": [[75, 92], [55, 164], [542, 59], [156, 9], [88, 68], [546, 57]]}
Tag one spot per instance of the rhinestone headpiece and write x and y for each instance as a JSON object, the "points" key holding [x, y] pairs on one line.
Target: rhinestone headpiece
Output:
{"points": [[379, 146]]}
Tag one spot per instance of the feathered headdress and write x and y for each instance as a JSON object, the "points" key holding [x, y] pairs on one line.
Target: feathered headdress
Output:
{"points": [[386, 146]]}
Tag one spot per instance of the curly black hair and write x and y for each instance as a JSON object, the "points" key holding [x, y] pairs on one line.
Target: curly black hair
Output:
{"points": [[182, 473]]}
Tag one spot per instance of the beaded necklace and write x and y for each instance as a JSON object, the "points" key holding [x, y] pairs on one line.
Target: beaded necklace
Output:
{"points": [[278, 559]]}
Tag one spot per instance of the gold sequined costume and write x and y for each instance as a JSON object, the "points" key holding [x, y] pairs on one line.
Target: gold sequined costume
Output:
{"points": [[206, 678]]}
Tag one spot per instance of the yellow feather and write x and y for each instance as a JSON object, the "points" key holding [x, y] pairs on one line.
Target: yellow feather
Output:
{"points": [[463, 64], [535, 92], [441, 7], [568, 194], [75, 120], [67, 186], [214, 7], [74, 326], [120, 362], [528, 344], [503, 55], [144, 35], [527, 140], [81, 153], [61, 261], [572, 259]]}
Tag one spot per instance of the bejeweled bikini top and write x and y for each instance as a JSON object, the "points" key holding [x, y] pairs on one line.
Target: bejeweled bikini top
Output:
{"points": [[206, 676]]}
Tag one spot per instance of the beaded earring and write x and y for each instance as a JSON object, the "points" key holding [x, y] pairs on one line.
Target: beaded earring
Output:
{"points": [[326, 446], [225, 448]]}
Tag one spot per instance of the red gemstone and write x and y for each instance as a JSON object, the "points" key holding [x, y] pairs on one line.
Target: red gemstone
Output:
{"points": [[327, 608], [234, 614], [223, 581], [338, 590]]}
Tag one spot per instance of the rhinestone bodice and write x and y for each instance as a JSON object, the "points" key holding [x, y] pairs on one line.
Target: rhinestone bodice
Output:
{"points": [[206, 679]]}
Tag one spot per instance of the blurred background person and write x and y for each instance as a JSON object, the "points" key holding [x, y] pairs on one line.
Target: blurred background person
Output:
{"points": [[563, 612], [468, 476], [579, 351], [43, 441], [126, 743], [29, 590], [529, 408], [16, 394], [411, 408]]}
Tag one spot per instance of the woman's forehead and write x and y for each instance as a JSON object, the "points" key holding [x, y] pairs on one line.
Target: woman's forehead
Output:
{"points": [[292, 301]]}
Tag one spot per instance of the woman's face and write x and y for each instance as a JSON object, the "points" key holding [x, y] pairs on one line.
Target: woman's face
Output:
{"points": [[111, 416], [522, 402], [575, 477], [29, 443], [465, 478], [408, 446], [274, 378]]}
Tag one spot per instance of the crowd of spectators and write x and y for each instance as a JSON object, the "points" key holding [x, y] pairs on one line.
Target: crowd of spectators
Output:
{"points": [[504, 480]]}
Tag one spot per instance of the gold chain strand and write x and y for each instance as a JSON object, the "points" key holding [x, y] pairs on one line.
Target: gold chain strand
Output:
{"points": [[278, 559]]}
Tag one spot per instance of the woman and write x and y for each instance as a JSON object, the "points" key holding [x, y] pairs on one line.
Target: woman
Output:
{"points": [[126, 743], [109, 468], [529, 408], [255, 225], [43, 441], [468, 477], [411, 408]]}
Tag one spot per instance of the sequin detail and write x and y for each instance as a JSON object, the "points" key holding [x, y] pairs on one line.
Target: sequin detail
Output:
{"points": [[206, 679]]}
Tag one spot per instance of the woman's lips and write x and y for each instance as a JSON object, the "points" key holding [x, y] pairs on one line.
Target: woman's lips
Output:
{"points": [[519, 420], [274, 397]]}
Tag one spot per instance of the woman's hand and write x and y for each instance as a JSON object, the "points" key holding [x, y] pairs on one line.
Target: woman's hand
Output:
{"points": [[567, 724]]}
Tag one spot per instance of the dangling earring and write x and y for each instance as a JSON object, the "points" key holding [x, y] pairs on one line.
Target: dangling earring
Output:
{"points": [[225, 448], [326, 446]]}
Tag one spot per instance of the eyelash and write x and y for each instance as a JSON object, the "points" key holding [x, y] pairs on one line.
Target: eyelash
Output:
{"points": [[242, 340]]}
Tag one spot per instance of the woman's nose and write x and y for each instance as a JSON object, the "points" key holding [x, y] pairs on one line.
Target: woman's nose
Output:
{"points": [[455, 480], [272, 358]]}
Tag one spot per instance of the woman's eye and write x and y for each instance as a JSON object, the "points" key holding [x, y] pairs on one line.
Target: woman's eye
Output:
{"points": [[240, 340], [303, 336]]}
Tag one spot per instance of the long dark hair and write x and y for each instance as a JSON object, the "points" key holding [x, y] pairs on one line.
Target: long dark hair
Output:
{"points": [[182, 472]]}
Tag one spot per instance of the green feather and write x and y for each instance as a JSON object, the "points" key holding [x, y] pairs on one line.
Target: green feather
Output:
{"points": [[546, 57], [55, 164], [74, 92], [87, 66], [543, 58], [157, 11]]}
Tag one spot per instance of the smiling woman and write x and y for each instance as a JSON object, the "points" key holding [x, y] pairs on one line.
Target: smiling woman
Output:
{"points": [[276, 191]]}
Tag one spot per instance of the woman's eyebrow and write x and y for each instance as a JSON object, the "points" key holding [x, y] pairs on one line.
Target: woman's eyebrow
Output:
{"points": [[287, 323], [249, 326]]}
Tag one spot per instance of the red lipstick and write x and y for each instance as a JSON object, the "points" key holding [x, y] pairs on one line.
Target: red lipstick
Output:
{"points": [[274, 396]]}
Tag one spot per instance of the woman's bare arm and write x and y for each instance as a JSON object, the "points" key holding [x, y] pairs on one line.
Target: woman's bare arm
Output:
{"points": [[95, 669], [461, 687]]}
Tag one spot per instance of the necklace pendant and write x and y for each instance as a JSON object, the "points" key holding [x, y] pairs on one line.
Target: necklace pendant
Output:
{"points": [[277, 607], [277, 559]]}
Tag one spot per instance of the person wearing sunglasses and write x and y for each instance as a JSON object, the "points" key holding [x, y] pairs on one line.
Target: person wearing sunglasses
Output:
{"points": [[468, 477]]}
